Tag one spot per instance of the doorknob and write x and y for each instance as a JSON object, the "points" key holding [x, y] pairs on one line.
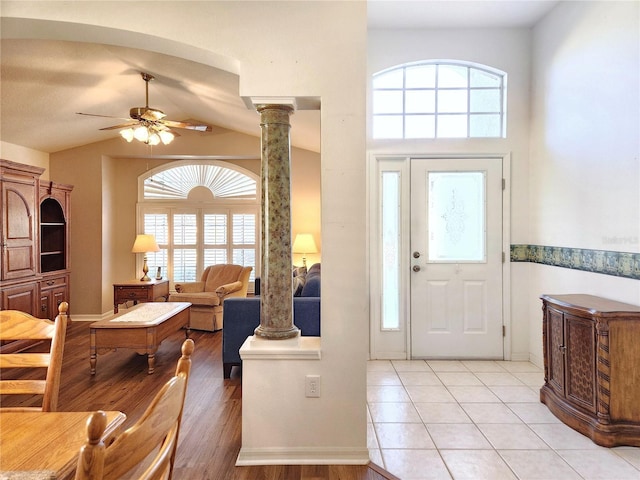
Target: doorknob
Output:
{"points": [[416, 254], [416, 268]]}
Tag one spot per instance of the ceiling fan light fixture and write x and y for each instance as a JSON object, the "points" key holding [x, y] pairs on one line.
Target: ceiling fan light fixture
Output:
{"points": [[127, 134], [154, 139], [148, 124], [166, 136], [141, 133]]}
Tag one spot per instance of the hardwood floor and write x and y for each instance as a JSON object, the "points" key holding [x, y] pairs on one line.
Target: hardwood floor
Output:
{"points": [[210, 437]]}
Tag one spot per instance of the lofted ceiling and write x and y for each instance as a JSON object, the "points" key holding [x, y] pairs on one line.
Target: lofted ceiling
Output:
{"points": [[44, 83]]}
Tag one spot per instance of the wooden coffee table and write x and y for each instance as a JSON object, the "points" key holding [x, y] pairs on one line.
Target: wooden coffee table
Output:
{"points": [[141, 328]]}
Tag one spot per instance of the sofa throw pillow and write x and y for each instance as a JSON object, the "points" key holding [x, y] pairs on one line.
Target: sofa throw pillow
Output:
{"points": [[298, 285], [299, 271]]}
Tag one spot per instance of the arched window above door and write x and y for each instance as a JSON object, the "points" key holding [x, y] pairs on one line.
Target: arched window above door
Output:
{"points": [[439, 99]]}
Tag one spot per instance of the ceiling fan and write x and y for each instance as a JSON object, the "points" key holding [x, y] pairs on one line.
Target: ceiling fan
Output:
{"points": [[148, 124]]}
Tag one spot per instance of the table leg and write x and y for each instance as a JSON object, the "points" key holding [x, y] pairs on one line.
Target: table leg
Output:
{"points": [[151, 360], [92, 349]]}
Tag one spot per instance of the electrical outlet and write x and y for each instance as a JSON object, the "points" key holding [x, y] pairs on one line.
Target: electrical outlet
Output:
{"points": [[312, 386]]}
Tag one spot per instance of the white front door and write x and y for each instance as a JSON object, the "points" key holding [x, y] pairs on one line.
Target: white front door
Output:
{"points": [[456, 250]]}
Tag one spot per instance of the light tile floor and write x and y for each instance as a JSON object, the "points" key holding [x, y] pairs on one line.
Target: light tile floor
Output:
{"points": [[478, 420]]}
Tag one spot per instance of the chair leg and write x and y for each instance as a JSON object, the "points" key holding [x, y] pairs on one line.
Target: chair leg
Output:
{"points": [[226, 369]]}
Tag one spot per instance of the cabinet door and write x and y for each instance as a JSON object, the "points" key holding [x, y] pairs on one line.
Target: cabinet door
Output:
{"points": [[581, 361], [21, 297], [555, 350], [18, 222]]}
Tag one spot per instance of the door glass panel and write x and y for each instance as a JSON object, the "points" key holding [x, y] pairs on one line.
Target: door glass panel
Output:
{"points": [[456, 217], [390, 226]]}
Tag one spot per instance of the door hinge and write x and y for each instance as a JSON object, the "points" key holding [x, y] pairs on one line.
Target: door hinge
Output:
{"points": [[504, 331], [504, 184], [504, 257]]}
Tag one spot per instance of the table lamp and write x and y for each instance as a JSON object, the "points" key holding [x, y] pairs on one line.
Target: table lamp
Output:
{"points": [[145, 244], [304, 244]]}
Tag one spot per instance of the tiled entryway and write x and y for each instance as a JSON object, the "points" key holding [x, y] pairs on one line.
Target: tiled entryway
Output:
{"points": [[478, 420]]}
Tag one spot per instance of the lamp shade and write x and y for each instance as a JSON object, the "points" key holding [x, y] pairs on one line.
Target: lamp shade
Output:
{"points": [[144, 244], [304, 243]]}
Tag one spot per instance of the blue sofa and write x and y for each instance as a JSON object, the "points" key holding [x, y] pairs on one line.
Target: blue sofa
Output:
{"points": [[242, 317]]}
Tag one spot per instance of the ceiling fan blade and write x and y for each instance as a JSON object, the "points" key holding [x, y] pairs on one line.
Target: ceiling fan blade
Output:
{"points": [[101, 116], [122, 125], [188, 126]]}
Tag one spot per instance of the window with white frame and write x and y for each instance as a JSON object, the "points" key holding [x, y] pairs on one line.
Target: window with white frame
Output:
{"points": [[439, 100], [219, 226]]}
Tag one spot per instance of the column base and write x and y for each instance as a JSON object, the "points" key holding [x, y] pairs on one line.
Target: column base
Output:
{"points": [[276, 333]]}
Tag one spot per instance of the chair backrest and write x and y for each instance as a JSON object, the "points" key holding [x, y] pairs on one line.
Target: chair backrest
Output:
{"points": [[156, 431], [39, 372], [217, 275]]}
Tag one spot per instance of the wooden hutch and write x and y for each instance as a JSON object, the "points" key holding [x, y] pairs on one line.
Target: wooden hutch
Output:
{"points": [[592, 366], [34, 264]]}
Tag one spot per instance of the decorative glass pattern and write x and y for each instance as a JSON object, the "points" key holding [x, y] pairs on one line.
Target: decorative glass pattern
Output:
{"points": [[439, 100], [390, 227], [456, 217]]}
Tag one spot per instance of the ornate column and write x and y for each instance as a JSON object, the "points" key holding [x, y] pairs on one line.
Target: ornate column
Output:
{"points": [[276, 297]]}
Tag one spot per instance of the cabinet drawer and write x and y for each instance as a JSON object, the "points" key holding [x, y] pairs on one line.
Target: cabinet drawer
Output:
{"points": [[132, 293], [53, 282]]}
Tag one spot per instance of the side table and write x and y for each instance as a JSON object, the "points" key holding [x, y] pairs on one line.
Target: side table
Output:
{"points": [[137, 291]]}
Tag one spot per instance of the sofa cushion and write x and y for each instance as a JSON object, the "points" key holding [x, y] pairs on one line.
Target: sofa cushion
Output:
{"points": [[298, 285], [221, 274], [312, 282], [200, 298]]}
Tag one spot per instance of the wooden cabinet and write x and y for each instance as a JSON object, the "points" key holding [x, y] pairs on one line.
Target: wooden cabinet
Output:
{"points": [[591, 359], [137, 291], [54, 226], [21, 296], [54, 247], [54, 289], [34, 235], [19, 209]]}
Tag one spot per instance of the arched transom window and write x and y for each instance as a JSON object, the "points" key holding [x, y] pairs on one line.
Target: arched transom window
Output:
{"points": [[439, 100], [176, 183], [201, 213]]}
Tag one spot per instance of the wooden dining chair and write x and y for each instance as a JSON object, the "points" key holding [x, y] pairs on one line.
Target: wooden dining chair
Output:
{"points": [[154, 436], [16, 326]]}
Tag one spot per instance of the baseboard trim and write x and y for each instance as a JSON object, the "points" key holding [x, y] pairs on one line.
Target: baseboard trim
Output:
{"points": [[302, 456]]}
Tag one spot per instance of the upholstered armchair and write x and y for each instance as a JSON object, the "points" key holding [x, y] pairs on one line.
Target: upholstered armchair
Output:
{"points": [[207, 296]]}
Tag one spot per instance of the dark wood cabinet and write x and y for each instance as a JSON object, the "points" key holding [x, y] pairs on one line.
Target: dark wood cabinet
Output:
{"points": [[137, 291], [19, 209], [34, 231], [54, 247], [591, 366], [54, 289]]}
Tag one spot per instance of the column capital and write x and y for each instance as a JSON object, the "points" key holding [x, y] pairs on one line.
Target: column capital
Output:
{"points": [[274, 102]]}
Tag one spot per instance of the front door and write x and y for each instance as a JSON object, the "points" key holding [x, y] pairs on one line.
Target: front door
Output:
{"points": [[456, 250]]}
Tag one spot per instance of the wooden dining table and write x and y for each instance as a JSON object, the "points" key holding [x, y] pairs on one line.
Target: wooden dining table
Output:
{"points": [[45, 445]]}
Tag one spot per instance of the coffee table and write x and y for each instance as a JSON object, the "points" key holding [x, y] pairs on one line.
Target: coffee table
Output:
{"points": [[141, 328]]}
